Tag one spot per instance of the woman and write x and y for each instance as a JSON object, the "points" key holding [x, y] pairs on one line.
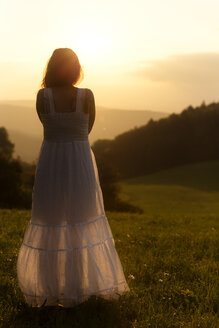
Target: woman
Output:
{"points": [[68, 251]]}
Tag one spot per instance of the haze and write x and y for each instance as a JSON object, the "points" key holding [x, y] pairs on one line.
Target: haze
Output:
{"points": [[157, 55]]}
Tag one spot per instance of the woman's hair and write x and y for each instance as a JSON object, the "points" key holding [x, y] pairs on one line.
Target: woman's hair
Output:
{"points": [[54, 75]]}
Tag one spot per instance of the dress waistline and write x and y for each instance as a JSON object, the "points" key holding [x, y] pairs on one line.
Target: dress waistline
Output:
{"points": [[59, 136]]}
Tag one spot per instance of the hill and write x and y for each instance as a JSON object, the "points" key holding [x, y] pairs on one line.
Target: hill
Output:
{"points": [[191, 190], [25, 130], [189, 137]]}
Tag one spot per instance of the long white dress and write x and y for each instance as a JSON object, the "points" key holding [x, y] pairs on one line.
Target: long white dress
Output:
{"points": [[68, 251]]}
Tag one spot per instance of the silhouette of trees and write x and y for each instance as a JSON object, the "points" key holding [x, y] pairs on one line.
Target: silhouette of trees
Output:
{"points": [[11, 193], [109, 179], [188, 137]]}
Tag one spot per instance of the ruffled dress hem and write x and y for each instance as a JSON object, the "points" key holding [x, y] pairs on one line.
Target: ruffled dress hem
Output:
{"points": [[63, 265], [112, 293]]}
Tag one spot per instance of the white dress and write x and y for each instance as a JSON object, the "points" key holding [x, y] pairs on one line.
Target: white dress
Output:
{"points": [[68, 251]]}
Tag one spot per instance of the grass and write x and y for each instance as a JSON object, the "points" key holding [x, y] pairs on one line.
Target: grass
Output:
{"points": [[169, 255], [187, 190]]}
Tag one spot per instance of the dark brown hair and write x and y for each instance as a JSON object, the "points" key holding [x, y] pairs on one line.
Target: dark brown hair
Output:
{"points": [[59, 57]]}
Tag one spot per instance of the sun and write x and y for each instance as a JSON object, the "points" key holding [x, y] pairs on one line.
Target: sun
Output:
{"points": [[93, 44]]}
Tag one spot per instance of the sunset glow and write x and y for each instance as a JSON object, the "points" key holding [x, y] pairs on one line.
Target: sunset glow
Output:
{"points": [[127, 49]]}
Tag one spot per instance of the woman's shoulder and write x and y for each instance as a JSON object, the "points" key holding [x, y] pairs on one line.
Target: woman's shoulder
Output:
{"points": [[88, 91], [89, 95]]}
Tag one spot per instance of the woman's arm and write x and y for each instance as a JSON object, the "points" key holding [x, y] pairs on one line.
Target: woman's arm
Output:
{"points": [[40, 103], [90, 108]]}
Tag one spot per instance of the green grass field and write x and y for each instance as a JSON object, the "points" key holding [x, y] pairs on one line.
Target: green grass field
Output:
{"points": [[169, 255], [187, 190]]}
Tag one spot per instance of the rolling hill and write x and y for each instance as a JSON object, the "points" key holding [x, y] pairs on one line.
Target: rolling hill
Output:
{"points": [[190, 190]]}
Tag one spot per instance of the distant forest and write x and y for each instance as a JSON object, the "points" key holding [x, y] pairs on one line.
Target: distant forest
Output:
{"points": [[189, 137]]}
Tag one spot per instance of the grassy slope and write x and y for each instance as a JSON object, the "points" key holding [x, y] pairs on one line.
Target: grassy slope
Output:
{"points": [[187, 190], [169, 256]]}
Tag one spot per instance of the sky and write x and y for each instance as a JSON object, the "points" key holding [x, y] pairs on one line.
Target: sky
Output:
{"points": [[155, 55]]}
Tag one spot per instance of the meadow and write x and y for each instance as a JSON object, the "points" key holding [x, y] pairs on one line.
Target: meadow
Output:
{"points": [[169, 255]]}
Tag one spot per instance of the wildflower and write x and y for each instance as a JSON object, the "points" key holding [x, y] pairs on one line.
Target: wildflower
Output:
{"points": [[131, 276]]}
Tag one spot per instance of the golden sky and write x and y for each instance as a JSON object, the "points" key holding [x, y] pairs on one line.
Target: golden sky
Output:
{"points": [[156, 55]]}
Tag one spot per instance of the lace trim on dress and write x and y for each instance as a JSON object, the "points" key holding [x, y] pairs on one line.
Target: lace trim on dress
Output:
{"points": [[69, 225], [68, 249]]}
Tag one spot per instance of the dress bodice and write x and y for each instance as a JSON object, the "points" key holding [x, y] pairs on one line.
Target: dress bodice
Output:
{"points": [[64, 126]]}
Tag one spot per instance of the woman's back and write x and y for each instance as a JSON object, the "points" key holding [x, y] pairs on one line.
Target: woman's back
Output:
{"points": [[64, 125], [66, 112]]}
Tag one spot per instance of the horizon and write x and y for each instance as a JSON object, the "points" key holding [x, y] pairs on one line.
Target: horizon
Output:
{"points": [[16, 102]]}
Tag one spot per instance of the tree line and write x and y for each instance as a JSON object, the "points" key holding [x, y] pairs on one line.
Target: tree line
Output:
{"points": [[189, 137], [15, 184]]}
